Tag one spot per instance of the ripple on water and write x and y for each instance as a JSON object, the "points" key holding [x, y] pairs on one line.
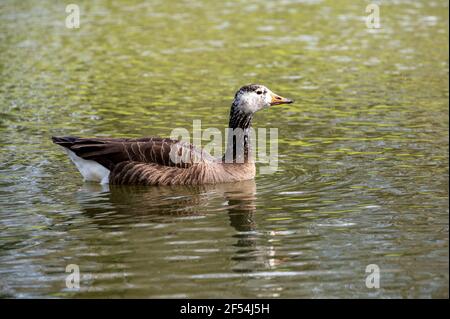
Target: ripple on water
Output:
{"points": [[362, 155]]}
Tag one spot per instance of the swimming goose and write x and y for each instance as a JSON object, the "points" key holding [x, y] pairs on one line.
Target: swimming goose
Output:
{"points": [[165, 161]]}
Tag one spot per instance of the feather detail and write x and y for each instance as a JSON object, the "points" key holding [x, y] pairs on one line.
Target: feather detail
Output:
{"points": [[150, 161]]}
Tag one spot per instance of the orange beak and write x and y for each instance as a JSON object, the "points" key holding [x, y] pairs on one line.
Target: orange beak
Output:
{"points": [[277, 100]]}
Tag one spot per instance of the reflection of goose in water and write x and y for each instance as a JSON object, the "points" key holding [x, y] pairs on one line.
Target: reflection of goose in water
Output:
{"points": [[129, 201], [165, 161], [119, 206]]}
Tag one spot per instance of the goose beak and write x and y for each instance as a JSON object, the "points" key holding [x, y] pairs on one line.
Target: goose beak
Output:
{"points": [[277, 100]]}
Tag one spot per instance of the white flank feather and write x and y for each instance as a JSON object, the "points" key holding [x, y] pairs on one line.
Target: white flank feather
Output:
{"points": [[90, 170]]}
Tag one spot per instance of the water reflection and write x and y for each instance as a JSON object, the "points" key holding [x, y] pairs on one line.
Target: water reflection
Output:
{"points": [[363, 156], [130, 202], [125, 207]]}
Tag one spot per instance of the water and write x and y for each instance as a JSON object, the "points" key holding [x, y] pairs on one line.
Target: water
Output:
{"points": [[363, 153]]}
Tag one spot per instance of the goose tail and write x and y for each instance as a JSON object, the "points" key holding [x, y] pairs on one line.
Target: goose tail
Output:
{"points": [[64, 139], [89, 169]]}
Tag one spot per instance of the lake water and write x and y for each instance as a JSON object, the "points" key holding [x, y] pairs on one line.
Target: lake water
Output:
{"points": [[363, 153]]}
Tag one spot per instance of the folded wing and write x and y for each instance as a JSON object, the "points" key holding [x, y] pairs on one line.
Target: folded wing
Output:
{"points": [[109, 152]]}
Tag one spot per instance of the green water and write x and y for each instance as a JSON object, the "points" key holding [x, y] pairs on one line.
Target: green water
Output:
{"points": [[363, 153]]}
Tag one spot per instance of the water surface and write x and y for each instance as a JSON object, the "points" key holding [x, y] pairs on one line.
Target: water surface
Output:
{"points": [[363, 153]]}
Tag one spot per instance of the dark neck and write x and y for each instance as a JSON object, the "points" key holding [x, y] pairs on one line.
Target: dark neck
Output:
{"points": [[238, 145]]}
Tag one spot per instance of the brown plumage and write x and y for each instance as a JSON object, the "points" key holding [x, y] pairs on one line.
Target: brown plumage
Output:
{"points": [[164, 161]]}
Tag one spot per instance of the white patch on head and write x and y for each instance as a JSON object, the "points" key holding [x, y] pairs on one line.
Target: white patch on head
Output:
{"points": [[251, 102], [90, 170]]}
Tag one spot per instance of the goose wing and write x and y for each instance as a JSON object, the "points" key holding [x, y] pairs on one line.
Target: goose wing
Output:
{"points": [[151, 150]]}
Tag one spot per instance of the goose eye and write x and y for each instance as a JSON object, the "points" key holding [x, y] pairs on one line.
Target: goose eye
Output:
{"points": [[258, 92]]}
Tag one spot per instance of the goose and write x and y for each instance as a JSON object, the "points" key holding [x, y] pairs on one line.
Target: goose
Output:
{"points": [[166, 161]]}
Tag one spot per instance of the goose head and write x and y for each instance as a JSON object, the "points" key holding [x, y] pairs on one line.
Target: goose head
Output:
{"points": [[254, 97]]}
